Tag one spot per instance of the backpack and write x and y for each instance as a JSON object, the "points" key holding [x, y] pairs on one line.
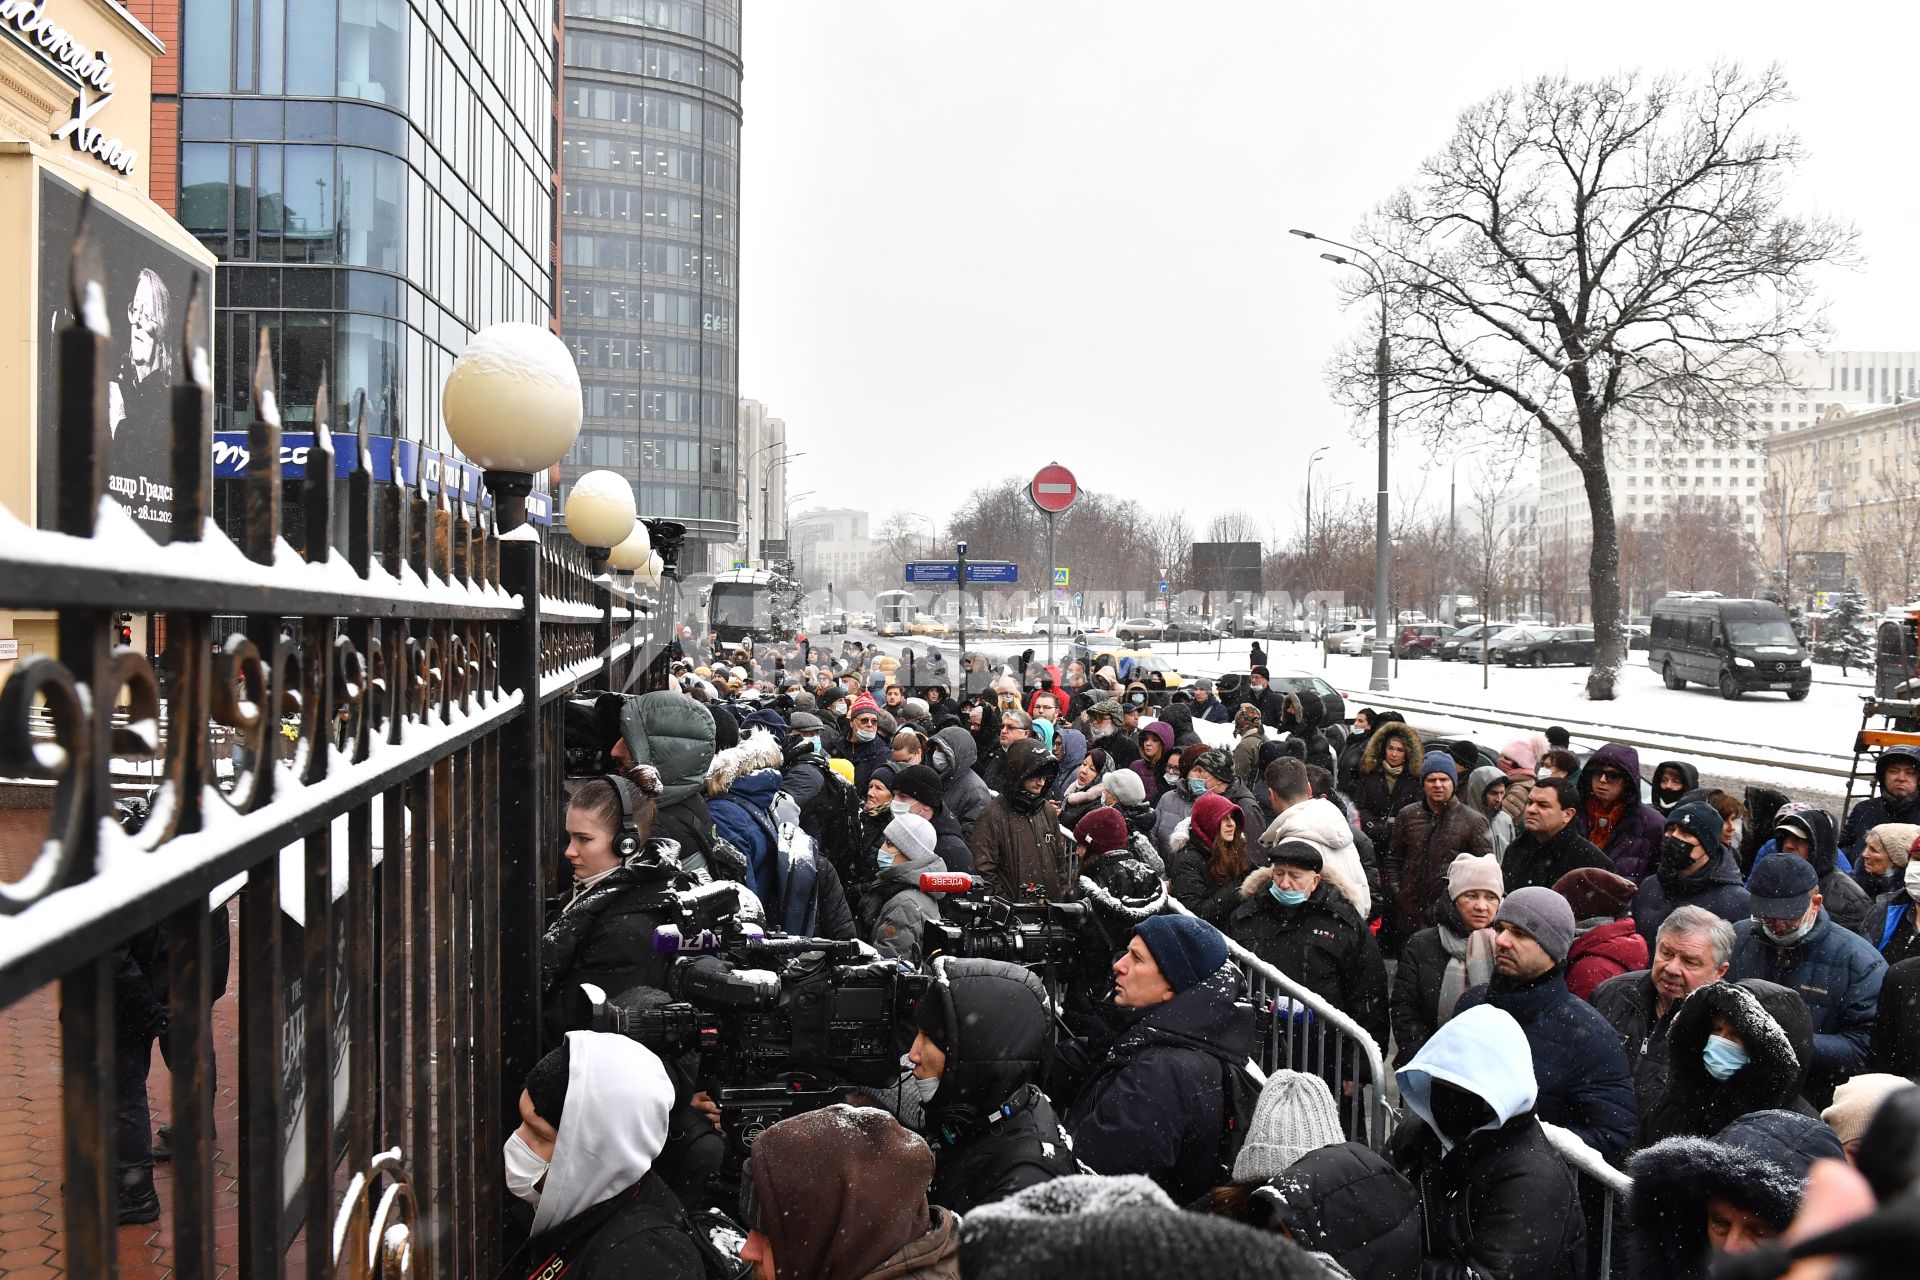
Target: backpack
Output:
{"points": [[1239, 1096], [833, 819]]}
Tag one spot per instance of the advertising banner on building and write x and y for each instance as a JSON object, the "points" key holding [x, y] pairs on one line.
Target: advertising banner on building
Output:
{"points": [[147, 284]]}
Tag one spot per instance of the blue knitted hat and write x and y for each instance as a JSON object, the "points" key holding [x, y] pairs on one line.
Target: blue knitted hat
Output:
{"points": [[1188, 951]]}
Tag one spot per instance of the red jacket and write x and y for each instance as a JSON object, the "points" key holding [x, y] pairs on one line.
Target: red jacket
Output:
{"points": [[1611, 949]]}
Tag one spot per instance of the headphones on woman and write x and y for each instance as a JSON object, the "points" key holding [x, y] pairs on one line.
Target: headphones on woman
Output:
{"points": [[626, 842]]}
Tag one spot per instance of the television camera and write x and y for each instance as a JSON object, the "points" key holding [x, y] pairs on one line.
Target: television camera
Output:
{"points": [[781, 1025]]}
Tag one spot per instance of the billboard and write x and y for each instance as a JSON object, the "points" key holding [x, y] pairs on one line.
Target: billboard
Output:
{"points": [[147, 283], [1225, 566]]}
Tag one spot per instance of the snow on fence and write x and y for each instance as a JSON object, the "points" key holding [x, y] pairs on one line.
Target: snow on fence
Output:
{"points": [[396, 685]]}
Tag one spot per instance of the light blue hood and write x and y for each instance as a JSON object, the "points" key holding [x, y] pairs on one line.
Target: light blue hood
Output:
{"points": [[1483, 1051]]}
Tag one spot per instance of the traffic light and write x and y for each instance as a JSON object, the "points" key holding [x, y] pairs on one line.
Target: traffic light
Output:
{"points": [[123, 631]]}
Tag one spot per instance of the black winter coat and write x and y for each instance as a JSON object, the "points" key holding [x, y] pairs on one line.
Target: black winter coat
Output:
{"points": [[948, 842], [1023, 1146], [866, 757], [643, 1231], [1771, 1022], [1348, 1202], [1896, 1027], [606, 938], [1630, 1005], [1322, 944], [688, 823], [1716, 887], [1527, 861], [1155, 1102], [1500, 1206], [1881, 807], [1212, 900], [1416, 983], [1377, 797], [1585, 1085]]}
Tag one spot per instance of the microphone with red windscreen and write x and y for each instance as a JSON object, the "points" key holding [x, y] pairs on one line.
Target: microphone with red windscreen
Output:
{"points": [[945, 882]]}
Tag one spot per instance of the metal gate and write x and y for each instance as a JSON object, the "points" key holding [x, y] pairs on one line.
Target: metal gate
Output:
{"points": [[373, 756]]}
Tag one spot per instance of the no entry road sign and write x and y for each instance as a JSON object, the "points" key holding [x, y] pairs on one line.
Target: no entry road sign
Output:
{"points": [[1053, 489]]}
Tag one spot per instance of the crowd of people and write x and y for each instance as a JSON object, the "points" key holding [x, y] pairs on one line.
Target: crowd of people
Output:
{"points": [[1710, 997]]}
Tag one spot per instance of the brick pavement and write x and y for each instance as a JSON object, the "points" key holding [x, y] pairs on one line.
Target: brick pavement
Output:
{"points": [[30, 1122]]}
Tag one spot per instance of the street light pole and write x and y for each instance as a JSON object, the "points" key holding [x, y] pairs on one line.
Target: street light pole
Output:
{"points": [[1453, 528], [1317, 455], [1382, 613]]}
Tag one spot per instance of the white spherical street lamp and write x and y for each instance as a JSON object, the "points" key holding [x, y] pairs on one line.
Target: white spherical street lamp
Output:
{"points": [[634, 553], [600, 511], [512, 405]]}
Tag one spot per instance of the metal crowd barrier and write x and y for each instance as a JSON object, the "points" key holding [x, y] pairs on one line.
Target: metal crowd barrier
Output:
{"points": [[1595, 1177], [1305, 1033]]}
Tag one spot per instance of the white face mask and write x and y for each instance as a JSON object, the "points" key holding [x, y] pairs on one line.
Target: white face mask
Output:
{"points": [[900, 806], [525, 1169], [1912, 880]]}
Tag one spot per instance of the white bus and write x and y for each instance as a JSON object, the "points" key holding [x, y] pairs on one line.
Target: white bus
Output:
{"points": [[894, 612]]}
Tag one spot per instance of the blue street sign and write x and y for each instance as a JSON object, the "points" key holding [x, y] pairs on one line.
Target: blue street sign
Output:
{"points": [[994, 571], [932, 571], [1000, 571], [1163, 587]]}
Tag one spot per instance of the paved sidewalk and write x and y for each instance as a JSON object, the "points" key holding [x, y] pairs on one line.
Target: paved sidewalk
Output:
{"points": [[31, 1233]]}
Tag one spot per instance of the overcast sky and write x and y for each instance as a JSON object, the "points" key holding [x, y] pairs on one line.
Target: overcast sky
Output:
{"points": [[979, 237]]}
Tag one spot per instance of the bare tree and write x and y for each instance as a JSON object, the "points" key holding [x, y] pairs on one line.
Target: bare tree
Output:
{"points": [[1891, 533], [1233, 526], [1795, 511], [1584, 253]]}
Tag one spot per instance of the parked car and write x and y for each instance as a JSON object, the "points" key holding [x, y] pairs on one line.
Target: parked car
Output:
{"points": [[1180, 630], [1736, 646], [1543, 646], [1464, 643], [1291, 629], [1638, 636], [1417, 640], [1356, 643], [1334, 633], [927, 625], [1133, 630], [1333, 707]]}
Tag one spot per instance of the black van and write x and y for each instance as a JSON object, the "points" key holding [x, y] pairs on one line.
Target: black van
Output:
{"points": [[1735, 646]]}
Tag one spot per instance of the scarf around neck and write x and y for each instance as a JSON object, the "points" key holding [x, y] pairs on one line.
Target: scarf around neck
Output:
{"points": [[1469, 963]]}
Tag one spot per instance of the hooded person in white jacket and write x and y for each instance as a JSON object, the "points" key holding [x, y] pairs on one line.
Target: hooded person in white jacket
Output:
{"points": [[594, 1118], [1320, 823]]}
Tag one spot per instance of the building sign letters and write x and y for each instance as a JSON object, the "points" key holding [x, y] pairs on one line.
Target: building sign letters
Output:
{"points": [[91, 72]]}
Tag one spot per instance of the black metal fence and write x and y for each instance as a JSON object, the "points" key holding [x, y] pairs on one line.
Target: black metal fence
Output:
{"points": [[378, 744]]}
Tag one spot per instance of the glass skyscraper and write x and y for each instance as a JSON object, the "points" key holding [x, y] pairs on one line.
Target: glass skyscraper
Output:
{"points": [[376, 177], [650, 243]]}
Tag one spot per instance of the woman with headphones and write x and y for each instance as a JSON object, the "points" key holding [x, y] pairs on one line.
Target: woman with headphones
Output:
{"points": [[603, 930]]}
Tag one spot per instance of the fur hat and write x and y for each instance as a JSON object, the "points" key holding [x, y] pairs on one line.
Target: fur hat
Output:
{"points": [[1595, 893]]}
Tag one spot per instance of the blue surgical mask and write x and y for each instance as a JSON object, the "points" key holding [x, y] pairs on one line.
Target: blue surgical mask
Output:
{"points": [[1723, 1057], [864, 735], [883, 858], [1197, 786], [1287, 897]]}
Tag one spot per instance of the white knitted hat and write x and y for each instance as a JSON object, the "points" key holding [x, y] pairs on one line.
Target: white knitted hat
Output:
{"points": [[1295, 1115]]}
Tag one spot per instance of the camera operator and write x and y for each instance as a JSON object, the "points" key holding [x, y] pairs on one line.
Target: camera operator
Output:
{"points": [[1164, 1097], [841, 1194], [593, 1121], [983, 1033], [895, 910], [603, 932]]}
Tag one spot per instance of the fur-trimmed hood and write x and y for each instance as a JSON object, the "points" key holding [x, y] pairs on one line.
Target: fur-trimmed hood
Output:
{"points": [[1771, 1021], [1377, 743], [1325, 826], [758, 750], [1757, 1163]]}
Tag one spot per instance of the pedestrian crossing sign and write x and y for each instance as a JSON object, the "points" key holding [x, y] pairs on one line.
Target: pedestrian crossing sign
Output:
{"points": [[1060, 576]]}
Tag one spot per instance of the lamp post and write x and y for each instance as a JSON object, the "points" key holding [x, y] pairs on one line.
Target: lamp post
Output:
{"points": [[1453, 529], [746, 537], [1318, 454], [601, 513], [1382, 615], [512, 404], [764, 476]]}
